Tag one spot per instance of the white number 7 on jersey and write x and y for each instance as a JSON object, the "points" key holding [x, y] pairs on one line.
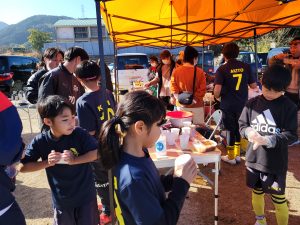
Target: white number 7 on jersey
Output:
{"points": [[238, 83]]}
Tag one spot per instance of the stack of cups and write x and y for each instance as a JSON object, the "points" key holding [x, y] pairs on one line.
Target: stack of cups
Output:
{"points": [[185, 135]]}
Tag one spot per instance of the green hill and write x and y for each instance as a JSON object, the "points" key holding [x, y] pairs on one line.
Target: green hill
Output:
{"points": [[17, 33]]}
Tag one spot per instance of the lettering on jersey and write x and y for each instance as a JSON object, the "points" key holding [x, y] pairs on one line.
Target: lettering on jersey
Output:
{"points": [[238, 70], [265, 123], [118, 208], [74, 151], [109, 111]]}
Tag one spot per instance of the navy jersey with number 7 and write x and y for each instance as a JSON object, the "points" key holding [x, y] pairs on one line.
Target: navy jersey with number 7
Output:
{"points": [[234, 76]]}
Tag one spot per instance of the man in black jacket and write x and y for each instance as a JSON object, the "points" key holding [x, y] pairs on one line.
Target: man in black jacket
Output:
{"points": [[51, 59], [61, 81]]}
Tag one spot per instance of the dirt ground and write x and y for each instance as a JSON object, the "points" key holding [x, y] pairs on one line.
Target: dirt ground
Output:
{"points": [[33, 194]]}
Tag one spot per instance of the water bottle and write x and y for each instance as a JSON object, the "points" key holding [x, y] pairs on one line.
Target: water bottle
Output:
{"points": [[161, 146]]}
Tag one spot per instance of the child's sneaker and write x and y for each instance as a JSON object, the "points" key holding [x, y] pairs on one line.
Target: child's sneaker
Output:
{"points": [[104, 219], [258, 223], [238, 159], [260, 220], [226, 159]]}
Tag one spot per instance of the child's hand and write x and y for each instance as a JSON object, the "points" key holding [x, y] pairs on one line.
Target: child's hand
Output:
{"points": [[53, 157], [68, 156], [188, 172]]}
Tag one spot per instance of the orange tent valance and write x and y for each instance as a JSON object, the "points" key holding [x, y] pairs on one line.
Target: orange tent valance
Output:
{"points": [[175, 23]]}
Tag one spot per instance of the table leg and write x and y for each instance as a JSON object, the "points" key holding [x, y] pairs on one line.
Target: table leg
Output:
{"points": [[29, 118], [216, 191]]}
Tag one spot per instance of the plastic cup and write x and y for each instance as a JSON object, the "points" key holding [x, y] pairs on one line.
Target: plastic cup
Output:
{"points": [[179, 163], [187, 123], [175, 131], [184, 141], [171, 138], [186, 130]]}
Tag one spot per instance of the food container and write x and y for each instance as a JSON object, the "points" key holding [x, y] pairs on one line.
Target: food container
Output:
{"points": [[204, 145], [178, 117]]}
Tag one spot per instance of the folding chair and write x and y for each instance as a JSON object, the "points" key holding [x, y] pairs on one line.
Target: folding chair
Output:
{"points": [[217, 118]]}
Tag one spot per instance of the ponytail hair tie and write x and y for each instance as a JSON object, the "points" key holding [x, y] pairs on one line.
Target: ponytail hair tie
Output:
{"points": [[119, 127]]}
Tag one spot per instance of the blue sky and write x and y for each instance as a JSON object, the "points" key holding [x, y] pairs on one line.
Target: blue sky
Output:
{"points": [[14, 11]]}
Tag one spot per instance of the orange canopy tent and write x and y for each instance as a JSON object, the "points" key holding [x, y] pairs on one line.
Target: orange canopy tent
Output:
{"points": [[174, 23]]}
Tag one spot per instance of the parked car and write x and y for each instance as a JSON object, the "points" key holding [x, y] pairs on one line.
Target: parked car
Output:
{"points": [[249, 58], [208, 65], [111, 66], [15, 68], [263, 60], [131, 67]]}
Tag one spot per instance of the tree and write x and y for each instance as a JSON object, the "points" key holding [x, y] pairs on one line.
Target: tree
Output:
{"points": [[37, 38]]}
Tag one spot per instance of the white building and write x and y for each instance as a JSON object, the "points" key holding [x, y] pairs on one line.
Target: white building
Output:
{"points": [[84, 33]]}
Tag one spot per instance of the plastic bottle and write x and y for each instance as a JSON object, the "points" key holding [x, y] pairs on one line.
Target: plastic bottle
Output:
{"points": [[161, 146]]}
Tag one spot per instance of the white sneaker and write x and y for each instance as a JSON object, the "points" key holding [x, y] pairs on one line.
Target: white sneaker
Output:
{"points": [[230, 161], [238, 159], [258, 223]]}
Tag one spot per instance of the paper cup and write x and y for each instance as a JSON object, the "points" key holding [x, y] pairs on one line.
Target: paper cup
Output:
{"points": [[182, 160], [171, 138], [186, 130], [184, 141], [187, 123], [175, 131], [179, 163]]}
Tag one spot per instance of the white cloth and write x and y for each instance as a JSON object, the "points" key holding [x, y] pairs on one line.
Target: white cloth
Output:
{"points": [[198, 114]]}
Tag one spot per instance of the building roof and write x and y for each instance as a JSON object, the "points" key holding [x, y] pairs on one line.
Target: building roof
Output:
{"points": [[77, 23]]}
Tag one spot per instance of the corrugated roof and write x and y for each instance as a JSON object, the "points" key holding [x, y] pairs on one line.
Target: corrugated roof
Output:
{"points": [[76, 23]]}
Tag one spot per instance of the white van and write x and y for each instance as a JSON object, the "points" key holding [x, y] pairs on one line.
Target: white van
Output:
{"points": [[130, 67]]}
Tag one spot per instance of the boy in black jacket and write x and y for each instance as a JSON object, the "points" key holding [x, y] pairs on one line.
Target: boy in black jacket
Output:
{"points": [[269, 122]]}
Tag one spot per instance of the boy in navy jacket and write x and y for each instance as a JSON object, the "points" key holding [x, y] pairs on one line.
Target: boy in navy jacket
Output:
{"points": [[65, 152]]}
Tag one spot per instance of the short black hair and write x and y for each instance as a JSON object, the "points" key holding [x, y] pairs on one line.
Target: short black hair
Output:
{"points": [[53, 105], [153, 58], [51, 53], [190, 54], [231, 50], [88, 70], [277, 78], [73, 52]]}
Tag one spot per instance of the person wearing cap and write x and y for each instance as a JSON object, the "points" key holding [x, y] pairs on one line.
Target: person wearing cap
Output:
{"points": [[61, 81], [163, 78], [291, 61]]}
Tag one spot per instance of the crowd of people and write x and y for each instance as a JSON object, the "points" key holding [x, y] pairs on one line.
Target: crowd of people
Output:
{"points": [[85, 133]]}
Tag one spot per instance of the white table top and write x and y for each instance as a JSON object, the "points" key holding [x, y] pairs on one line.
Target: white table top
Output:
{"points": [[174, 151]]}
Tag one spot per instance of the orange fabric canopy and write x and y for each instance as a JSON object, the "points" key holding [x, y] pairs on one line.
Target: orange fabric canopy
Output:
{"points": [[175, 23]]}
